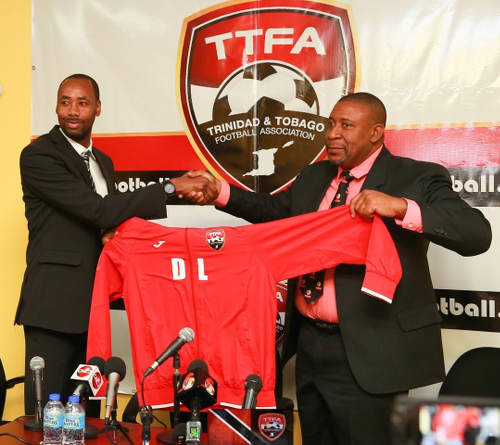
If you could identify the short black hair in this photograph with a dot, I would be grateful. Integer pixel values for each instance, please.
(83, 76)
(377, 106)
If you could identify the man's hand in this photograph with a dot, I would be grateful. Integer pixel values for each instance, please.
(107, 236)
(369, 203)
(198, 186)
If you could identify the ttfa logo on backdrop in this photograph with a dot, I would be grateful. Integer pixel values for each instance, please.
(257, 83)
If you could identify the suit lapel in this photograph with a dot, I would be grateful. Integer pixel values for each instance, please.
(106, 171)
(378, 174)
(72, 159)
(319, 184)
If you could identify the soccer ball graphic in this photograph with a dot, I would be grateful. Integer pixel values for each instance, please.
(265, 87)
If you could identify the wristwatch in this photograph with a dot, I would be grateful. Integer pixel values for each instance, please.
(169, 188)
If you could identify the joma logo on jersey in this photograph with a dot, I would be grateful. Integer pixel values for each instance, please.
(256, 96)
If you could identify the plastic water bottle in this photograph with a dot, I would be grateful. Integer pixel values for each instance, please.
(53, 414)
(74, 422)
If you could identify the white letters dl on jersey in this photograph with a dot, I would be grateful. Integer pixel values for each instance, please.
(179, 269)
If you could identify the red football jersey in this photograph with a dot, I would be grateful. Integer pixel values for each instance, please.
(221, 282)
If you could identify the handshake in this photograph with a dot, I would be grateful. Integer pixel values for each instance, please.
(198, 186)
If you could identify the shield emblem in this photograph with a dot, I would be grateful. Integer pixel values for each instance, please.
(215, 238)
(257, 82)
(272, 425)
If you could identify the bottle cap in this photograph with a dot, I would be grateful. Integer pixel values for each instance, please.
(73, 399)
(54, 396)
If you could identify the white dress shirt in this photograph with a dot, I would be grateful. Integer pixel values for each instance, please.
(95, 170)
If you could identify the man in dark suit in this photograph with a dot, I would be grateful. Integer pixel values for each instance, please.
(355, 352)
(68, 205)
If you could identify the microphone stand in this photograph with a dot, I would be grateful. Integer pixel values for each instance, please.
(176, 382)
(146, 414)
(36, 424)
(113, 425)
(90, 431)
(166, 436)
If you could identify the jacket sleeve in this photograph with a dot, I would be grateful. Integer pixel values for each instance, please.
(447, 219)
(46, 176)
(257, 207)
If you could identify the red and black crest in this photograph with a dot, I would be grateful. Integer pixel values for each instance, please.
(216, 238)
(272, 425)
(257, 83)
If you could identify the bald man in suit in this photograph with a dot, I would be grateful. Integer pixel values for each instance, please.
(354, 352)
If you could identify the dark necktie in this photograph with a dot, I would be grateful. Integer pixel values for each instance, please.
(86, 158)
(311, 284)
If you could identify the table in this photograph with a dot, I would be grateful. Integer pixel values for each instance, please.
(16, 428)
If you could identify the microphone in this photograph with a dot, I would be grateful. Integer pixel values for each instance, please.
(37, 364)
(185, 336)
(253, 384)
(89, 376)
(198, 390)
(115, 370)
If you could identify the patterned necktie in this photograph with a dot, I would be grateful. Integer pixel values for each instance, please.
(86, 158)
(311, 284)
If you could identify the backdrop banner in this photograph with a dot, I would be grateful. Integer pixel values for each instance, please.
(244, 89)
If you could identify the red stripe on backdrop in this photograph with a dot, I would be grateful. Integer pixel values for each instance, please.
(165, 151)
(451, 147)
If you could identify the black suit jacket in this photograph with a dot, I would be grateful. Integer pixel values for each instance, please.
(390, 347)
(65, 222)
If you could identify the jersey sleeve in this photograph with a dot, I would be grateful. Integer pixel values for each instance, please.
(383, 266)
(107, 287)
(324, 239)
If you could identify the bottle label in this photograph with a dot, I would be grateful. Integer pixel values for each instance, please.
(52, 420)
(74, 422)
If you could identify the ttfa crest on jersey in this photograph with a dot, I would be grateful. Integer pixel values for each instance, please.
(216, 238)
(272, 425)
(257, 83)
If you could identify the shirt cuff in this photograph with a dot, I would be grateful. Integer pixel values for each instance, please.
(413, 217)
(223, 197)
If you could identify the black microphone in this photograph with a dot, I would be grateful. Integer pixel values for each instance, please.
(37, 364)
(90, 379)
(253, 384)
(89, 376)
(115, 370)
(197, 391)
(185, 336)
